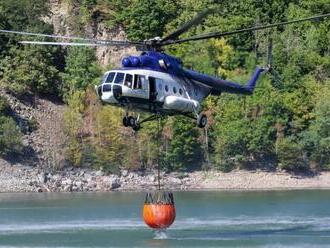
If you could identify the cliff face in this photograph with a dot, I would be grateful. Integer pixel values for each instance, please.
(61, 19)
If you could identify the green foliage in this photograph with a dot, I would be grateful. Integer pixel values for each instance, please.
(316, 139)
(145, 19)
(109, 149)
(184, 152)
(73, 120)
(10, 136)
(26, 68)
(4, 106)
(81, 70)
(29, 69)
(286, 120)
(291, 156)
(18, 14)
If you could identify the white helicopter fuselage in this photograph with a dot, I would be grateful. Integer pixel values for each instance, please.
(151, 91)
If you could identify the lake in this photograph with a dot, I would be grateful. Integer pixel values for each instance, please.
(204, 219)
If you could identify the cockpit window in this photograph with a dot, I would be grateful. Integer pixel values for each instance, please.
(128, 80)
(106, 87)
(119, 78)
(138, 81)
(110, 77)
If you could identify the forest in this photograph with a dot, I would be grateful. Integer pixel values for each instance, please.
(285, 124)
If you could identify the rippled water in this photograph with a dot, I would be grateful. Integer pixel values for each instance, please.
(204, 219)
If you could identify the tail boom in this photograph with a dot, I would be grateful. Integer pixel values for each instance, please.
(222, 85)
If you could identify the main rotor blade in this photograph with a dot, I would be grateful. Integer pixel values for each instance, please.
(61, 43)
(195, 21)
(109, 42)
(221, 34)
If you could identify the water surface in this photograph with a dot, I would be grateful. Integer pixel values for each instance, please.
(204, 219)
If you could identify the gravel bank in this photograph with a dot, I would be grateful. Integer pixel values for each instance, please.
(19, 178)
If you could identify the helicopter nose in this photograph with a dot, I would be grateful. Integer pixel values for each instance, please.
(98, 90)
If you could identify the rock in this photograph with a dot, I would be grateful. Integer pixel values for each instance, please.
(175, 181)
(124, 173)
(67, 188)
(82, 173)
(140, 173)
(89, 178)
(49, 176)
(55, 177)
(79, 184)
(112, 182)
(91, 186)
(99, 173)
(67, 182)
(42, 177)
(131, 175)
(151, 178)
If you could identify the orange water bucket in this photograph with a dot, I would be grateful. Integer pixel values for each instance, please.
(159, 210)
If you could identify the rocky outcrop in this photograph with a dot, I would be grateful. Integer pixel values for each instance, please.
(61, 18)
(41, 122)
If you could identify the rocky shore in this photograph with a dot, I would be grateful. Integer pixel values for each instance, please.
(19, 178)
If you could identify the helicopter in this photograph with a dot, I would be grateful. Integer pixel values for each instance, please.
(158, 83)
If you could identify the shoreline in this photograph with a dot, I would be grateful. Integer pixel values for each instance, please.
(19, 178)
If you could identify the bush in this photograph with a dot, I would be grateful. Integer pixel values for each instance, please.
(10, 136)
(226, 165)
(291, 156)
(4, 106)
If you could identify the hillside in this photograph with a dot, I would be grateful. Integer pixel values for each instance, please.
(283, 126)
(43, 141)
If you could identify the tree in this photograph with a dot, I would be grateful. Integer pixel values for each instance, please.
(29, 69)
(10, 136)
(184, 152)
(147, 18)
(81, 70)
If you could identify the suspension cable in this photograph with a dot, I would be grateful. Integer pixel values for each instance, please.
(158, 155)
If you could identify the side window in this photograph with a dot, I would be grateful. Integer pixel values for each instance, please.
(106, 87)
(174, 90)
(119, 78)
(128, 80)
(180, 91)
(138, 81)
(166, 88)
(159, 83)
(110, 77)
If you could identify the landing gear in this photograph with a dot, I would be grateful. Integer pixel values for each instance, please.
(130, 121)
(135, 123)
(125, 121)
(201, 120)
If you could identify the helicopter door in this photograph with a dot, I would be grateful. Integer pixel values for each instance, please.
(152, 89)
(140, 86)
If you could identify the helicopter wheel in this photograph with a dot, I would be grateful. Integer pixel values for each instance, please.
(201, 120)
(125, 121)
(131, 121)
(136, 126)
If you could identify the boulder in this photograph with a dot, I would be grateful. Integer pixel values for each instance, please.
(99, 173)
(67, 182)
(112, 182)
(124, 173)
